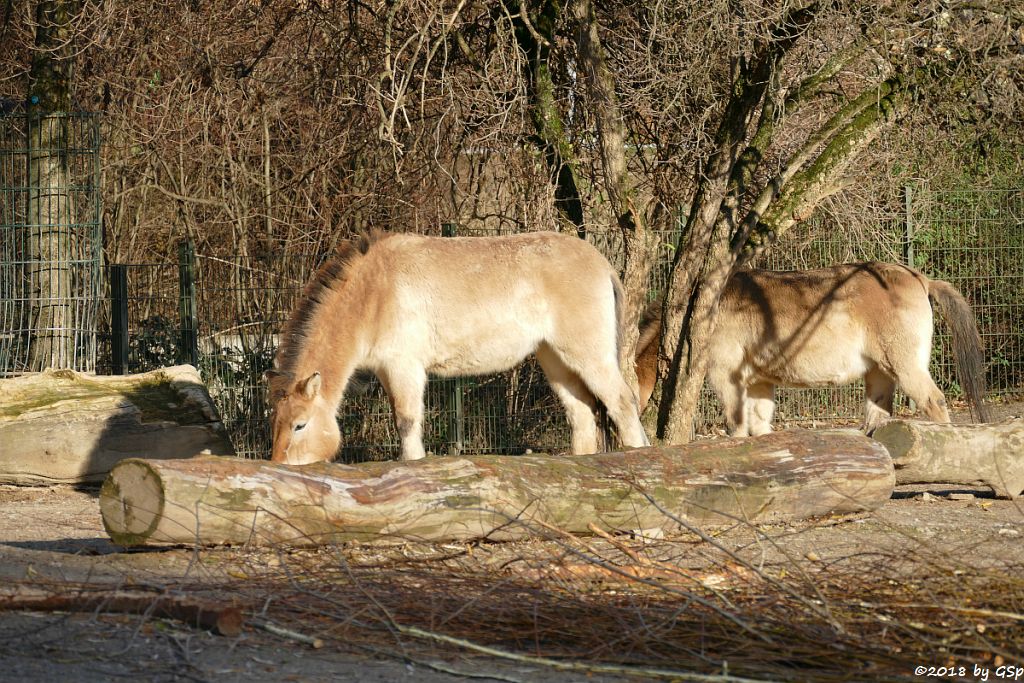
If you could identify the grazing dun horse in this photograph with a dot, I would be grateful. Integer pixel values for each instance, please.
(829, 326)
(402, 306)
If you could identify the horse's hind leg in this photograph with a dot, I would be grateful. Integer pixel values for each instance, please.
(579, 403)
(604, 380)
(732, 394)
(624, 409)
(919, 386)
(878, 394)
(405, 386)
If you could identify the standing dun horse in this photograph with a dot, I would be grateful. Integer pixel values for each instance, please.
(827, 327)
(402, 306)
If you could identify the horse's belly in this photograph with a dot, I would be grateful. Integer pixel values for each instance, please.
(823, 370)
(481, 356)
(475, 362)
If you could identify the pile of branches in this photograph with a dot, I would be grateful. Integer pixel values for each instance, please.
(686, 608)
(616, 607)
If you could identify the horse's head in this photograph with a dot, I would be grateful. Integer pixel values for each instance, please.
(303, 424)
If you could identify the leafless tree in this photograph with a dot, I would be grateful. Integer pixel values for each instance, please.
(266, 129)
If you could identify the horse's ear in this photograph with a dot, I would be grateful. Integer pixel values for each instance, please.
(311, 387)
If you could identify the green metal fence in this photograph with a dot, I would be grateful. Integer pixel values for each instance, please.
(230, 311)
(50, 241)
(974, 239)
(224, 314)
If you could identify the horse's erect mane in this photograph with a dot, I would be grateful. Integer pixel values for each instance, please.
(331, 275)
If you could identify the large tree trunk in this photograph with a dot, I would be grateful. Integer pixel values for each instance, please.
(702, 266)
(63, 427)
(207, 501)
(637, 247)
(49, 239)
(991, 454)
(685, 350)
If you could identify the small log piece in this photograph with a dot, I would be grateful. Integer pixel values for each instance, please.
(222, 619)
(65, 427)
(926, 453)
(777, 477)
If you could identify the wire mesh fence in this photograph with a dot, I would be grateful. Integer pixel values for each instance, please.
(50, 241)
(974, 239)
(240, 305)
(149, 297)
(225, 314)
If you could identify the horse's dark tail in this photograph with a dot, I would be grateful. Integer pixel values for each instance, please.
(970, 364)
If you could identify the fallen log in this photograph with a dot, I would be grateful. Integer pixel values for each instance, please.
(926, 453)
(65, 427)
(211, 500)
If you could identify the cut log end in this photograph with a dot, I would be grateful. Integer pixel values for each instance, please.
(132, 502)
(228, 622)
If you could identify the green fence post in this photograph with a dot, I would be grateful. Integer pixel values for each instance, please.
(908, 243)
(119, 319)
(908, 225)
(187, 317)
(458, 425)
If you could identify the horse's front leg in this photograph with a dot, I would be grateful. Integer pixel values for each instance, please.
(760, 404)
(405, 386)
(879, 390)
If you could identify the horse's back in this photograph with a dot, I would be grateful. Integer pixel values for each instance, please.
(466, 260)
(481, 304)
(823, 326)
(537, 271)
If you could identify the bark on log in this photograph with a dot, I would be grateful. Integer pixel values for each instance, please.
(210, 501)
(64, 427)
(990, 454)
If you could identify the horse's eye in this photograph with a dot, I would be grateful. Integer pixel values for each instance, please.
(299, 427)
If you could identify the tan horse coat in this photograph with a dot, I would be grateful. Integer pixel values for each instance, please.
(827, 327)
(404, 306)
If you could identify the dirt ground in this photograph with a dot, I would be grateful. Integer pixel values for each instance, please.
(54, 537)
